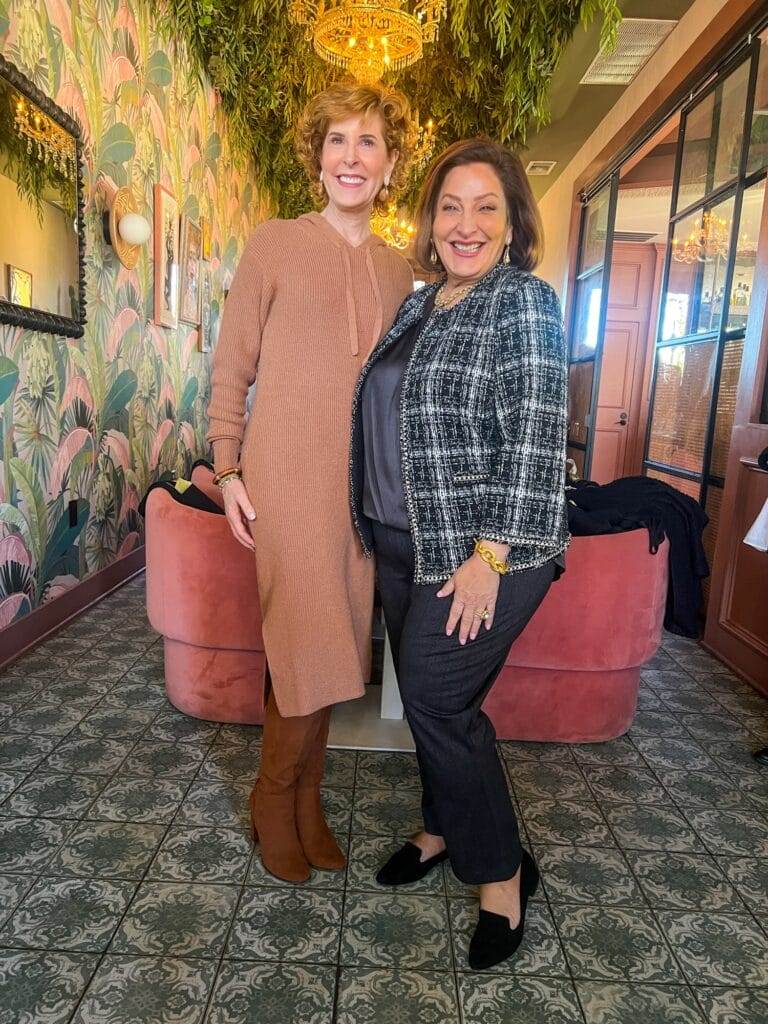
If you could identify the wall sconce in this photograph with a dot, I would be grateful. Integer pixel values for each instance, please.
(124, 227)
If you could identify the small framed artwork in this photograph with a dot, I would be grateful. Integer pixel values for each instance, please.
(205, 227)
(166, 243)
(206, 313)
(191, 247)
(19, 286)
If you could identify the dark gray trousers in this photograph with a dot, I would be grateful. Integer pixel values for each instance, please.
(442, 685)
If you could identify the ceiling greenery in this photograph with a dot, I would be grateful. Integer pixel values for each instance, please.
(488, 72)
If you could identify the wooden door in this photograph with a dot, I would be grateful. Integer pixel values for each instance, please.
(625, 343)
(737, 614)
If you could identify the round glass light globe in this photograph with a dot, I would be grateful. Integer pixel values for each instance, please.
(134, 229)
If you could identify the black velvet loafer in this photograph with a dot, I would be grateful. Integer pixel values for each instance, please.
(494, 939)
(406, 866)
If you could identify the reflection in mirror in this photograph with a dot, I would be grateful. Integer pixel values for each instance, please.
(39, 236)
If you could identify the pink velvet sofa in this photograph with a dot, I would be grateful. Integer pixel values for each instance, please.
(202, 596)
(572, 675)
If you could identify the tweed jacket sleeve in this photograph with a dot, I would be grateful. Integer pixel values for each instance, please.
(525, 495)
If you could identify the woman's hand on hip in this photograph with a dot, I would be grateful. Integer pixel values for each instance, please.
(475, 587)
(239, 511)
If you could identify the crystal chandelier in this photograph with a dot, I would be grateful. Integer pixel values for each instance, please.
(43, 136)
(709, 239)
(366, 38)
(424, 144)
(396, 231)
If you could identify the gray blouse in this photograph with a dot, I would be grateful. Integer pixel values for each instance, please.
(383, 495)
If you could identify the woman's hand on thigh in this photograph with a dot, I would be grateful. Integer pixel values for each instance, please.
(239, 512)
(475, 587)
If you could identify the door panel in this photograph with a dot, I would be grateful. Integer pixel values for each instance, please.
(737, 614)
(630, 299)
(745, 605)
(615, 402)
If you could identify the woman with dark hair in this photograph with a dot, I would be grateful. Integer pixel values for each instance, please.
(457, 480)
(310, 299)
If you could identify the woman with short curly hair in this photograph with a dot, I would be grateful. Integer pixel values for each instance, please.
(310, 299)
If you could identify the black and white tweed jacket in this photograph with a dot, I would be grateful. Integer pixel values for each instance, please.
(482, 425)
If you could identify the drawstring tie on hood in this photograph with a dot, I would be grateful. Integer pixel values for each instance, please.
(343, 248)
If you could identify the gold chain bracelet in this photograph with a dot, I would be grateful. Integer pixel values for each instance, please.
(490, 559)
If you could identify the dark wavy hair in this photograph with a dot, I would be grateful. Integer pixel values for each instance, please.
(525, 249)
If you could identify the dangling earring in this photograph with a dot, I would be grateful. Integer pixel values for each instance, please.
(432, 253)
(506, 253)
(320, 179)
(384, 191)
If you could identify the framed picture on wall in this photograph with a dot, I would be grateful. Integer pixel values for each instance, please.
(206, 312)
(205, 227)
(191, 251)
(166, 246)
(19, 286)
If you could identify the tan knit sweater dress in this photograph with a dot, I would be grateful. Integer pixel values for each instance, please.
(304, 311)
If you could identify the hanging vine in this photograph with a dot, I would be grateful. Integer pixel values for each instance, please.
(488, 72)
(35, 176)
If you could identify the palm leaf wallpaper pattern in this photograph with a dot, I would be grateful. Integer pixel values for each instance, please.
(96, 420)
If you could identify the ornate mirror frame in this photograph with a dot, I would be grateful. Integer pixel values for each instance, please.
(29, 317)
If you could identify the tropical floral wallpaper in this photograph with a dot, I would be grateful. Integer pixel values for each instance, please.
(96, 420)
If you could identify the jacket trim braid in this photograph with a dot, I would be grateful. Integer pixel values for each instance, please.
(483, 419)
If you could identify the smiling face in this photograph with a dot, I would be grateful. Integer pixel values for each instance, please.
(354, 161)
(470, 226)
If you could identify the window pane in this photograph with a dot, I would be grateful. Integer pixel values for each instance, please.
(587, 318)
(758, 138)
(713, 135)
(690, 487)
(595, 230)
(681, 404)
(746, 254)
(694, 298)
(579, 396)
(726, 405)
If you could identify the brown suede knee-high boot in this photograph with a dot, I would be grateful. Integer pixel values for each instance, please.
(317, 840)
(285, 748)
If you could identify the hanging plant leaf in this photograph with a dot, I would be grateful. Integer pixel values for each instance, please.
(489, 71)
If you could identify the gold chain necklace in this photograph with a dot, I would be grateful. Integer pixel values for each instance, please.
(447, 302)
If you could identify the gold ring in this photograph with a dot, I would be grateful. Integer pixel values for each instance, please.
(484, 614)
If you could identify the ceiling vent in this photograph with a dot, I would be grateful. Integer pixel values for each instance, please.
(636, 41)
(540, 167)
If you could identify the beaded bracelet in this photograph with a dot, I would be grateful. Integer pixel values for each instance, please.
(232, 471)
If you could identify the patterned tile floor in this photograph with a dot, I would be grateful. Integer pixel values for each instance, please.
(129, 893)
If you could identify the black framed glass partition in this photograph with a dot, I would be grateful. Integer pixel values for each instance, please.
(588, 322)
(717, 202)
